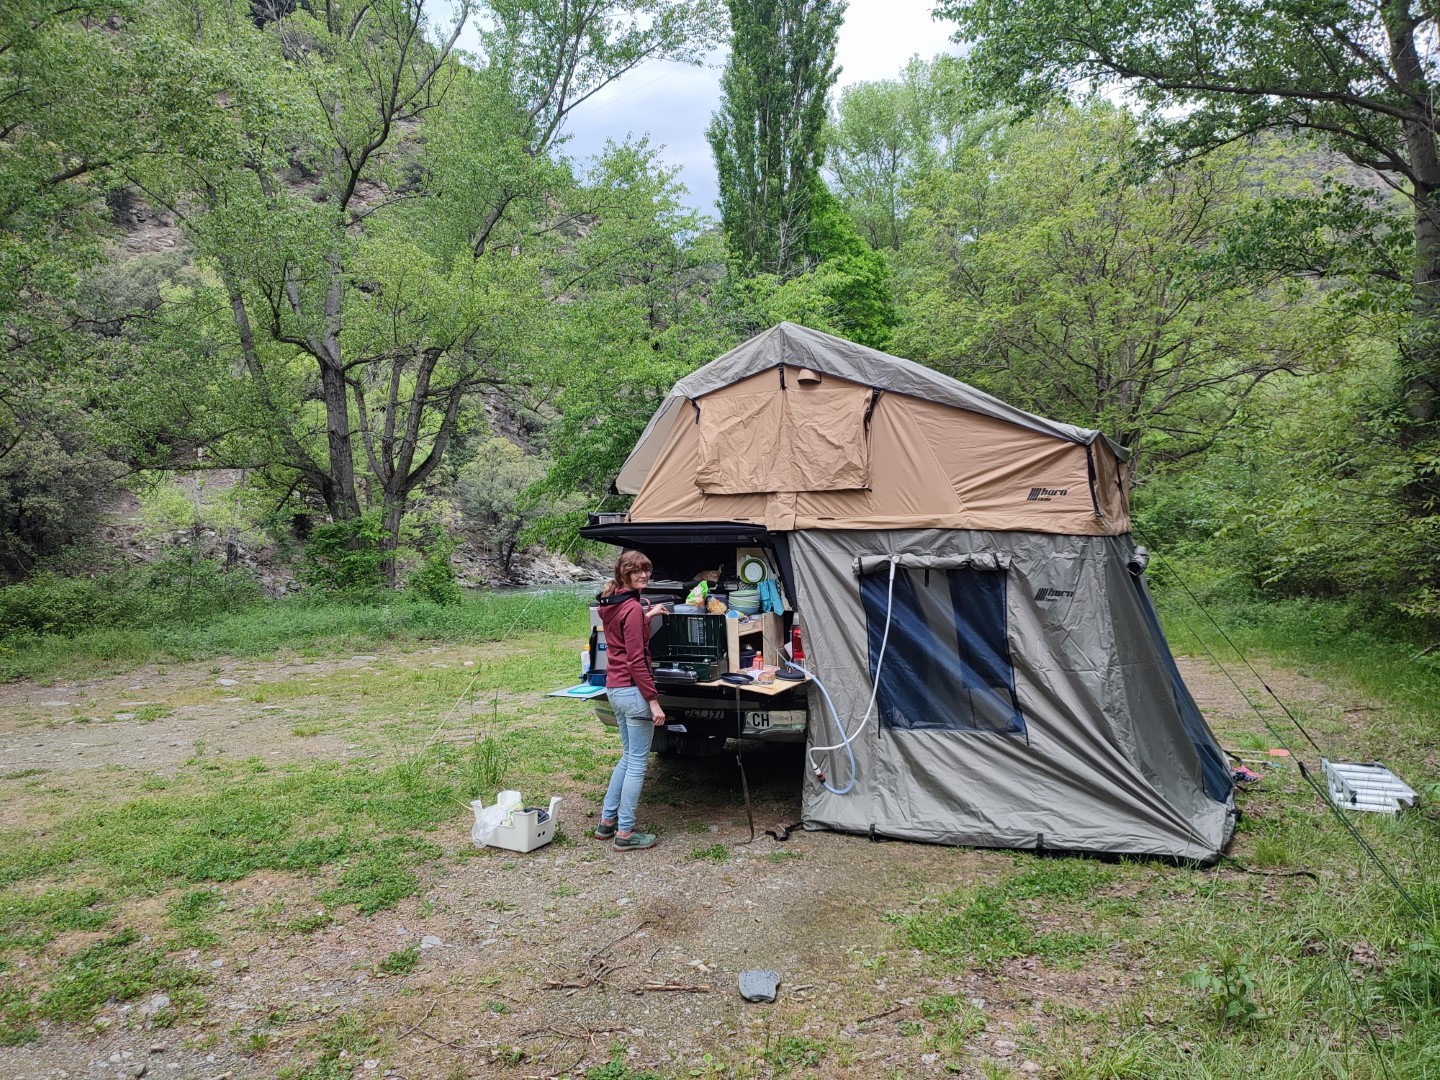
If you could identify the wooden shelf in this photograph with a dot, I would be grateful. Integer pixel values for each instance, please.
(768, 624)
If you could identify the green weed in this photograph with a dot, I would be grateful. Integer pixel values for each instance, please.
(617, 1068)
(400, 962)
(718, 853)
(28, 921)
(1230, 985)
(794, 1052)
(114, 969)
(374, 884)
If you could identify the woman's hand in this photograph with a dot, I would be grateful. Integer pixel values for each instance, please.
(657, 714)
(658, 609)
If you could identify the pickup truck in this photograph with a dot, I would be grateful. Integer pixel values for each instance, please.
(701, 712)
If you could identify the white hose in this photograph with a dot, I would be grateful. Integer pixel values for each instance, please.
(847, 739)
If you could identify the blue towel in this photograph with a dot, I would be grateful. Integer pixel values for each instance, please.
(770, 597)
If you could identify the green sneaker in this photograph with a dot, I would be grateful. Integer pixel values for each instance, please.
(604, 831)
(636, 841)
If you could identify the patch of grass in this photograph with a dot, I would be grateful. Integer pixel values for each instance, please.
(717, 853)
(114, 969)
(615, 1069)
(302, 623)
(986, 927)
(783, 856)
(400, 962)
(29, 921)
(345, 1039)
(309, 924)
(374, 884)
(794, 1052)
(1060, 878)
(194, 906)
(22, 774)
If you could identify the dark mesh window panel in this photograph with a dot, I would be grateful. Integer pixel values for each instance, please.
(947, 663)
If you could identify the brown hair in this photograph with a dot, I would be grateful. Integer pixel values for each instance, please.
(630, 562)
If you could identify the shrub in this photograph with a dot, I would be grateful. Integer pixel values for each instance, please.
(184, 587)
(51, 496)
(346, 556)
(434, 578)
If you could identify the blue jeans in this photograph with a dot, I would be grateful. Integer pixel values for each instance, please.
(632, 713)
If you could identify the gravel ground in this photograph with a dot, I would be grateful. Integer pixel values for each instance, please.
(546, 964)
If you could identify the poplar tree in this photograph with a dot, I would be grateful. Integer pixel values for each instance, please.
(767, 136)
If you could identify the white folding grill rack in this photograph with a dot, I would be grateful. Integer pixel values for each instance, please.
(1370, 787)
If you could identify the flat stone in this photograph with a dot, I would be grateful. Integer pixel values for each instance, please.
(759, 985)
(430, 941)
(226, 682)
(124, 716)
(154, 1004)
(364, 656)
(54, 704)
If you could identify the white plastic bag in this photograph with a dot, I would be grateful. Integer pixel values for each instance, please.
(488, 819)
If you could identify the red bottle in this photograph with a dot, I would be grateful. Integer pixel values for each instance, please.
(797, 650)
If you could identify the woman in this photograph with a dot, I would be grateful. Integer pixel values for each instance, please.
(630, 686)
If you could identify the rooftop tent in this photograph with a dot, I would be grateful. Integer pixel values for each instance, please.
(1024, 695)
(876, 442)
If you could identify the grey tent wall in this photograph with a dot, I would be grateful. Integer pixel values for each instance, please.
(1107, 764)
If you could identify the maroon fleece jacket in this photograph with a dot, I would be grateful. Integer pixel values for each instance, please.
(627, 644)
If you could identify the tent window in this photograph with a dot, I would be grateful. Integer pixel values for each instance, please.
(947, 663)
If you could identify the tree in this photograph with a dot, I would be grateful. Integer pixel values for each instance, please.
(497, 492)
(1358, 76)
(767, 136)
(1047, 272)
(886, 136)
(375, 281)
(872, 142)
(61, 132)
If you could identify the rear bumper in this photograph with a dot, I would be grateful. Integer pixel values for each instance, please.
(711, 713)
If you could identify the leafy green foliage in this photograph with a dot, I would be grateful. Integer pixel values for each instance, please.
(346, 555)
(434, 579)
(400, 962)
(714, 853)
(1044, 271)
(767, 136)
(183, 589)
(497, 493)
(1230, 986)
(618, 1069)
(52, 492)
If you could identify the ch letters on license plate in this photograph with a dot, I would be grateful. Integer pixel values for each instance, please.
(757, 719)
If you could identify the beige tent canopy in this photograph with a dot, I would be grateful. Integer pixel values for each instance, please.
(796, 429)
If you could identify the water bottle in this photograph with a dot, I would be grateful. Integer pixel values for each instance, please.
(585, 661)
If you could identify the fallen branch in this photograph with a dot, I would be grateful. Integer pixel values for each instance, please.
(421, 1022)
(674, 988)
(634, 930)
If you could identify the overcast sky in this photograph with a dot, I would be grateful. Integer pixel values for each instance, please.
(673, 103)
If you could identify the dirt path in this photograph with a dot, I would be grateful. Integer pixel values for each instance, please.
(545, 964)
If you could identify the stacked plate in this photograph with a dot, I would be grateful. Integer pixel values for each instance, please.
(745, 601)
